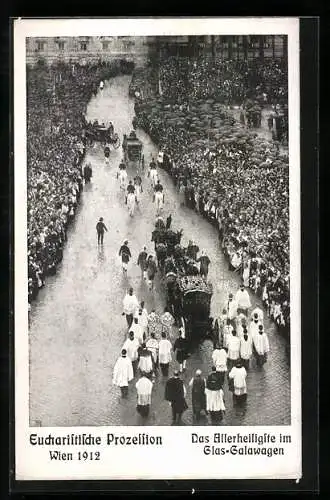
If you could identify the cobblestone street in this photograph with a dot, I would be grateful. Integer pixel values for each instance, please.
(77, 329)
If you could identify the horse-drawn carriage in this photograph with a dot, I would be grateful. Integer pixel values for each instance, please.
(188, 295)
(94, 132)
(132, 148)
(189, 299)
(195, 295)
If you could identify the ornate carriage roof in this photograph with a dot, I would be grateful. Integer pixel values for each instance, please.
(134, 142)
(190, 284)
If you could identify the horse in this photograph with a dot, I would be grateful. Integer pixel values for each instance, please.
(138, 192)
(158, 236)
(161, 252)
(131, 203)
(153, 177)
(171, 289)
(159, 201)
(122, 175)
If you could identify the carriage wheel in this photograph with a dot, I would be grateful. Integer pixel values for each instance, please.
(116, 142)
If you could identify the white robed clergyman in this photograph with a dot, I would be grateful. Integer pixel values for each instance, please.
(144, 390)
(241, 322)
(245, 349)
(231, 307)
(214, 393)
(257, 313)
(242, 299)
(131, 345)
(219, 358)
(142, 316)
(233, 347)
(153, 346)
(137, 329)
(261, 344)
(238, 375)
(123, 372)
(254, 327)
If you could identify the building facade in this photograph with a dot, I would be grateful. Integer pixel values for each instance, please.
(85, 49)
(139, 49)
(237, 47)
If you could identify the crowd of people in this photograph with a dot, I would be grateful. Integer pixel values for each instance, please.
(250, 84)
(234, 180)
(152, 340)
(228, 81)
(57, 97)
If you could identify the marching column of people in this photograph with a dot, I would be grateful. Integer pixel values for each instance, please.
(152, 344)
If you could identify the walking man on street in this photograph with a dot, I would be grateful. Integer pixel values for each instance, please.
(261, 345)
(238, 375)
(181, 348)
(234, 345)
(130, 305)
(131, 345)
(175, 393)
(231, 307)
(144, 390)
(204, 264)
(151, 271)
(198, 397)
(137, 329)
(168, 221)
(214, 396)
(123, 373)
(152, 345)
(145, 361)
(125, 255)
(165, 355)
(219, 358)
(242, 300)
(142, 262)
(142, 317)
(100, 228)
(245, 349)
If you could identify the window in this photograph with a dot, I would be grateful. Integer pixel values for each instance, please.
(224, 42)
(254, 42)
(60, 45)
(268, 42)
(40, 46)
(105, 45)
(235, 42)
(83, 46)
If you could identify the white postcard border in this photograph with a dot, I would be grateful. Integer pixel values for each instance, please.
(178, 457)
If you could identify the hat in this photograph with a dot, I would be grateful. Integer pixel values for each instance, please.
(101, 219)
(123, 353)
(176, 373)
(198, 372)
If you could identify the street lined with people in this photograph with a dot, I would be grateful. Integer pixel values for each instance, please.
(149, 342)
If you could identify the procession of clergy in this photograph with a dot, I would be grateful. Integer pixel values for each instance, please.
(147, 353)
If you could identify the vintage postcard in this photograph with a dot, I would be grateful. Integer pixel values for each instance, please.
(157, 249)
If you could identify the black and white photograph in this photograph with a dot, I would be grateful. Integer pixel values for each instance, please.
(158, 230)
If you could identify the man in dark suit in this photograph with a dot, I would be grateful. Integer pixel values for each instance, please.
(175, 394)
